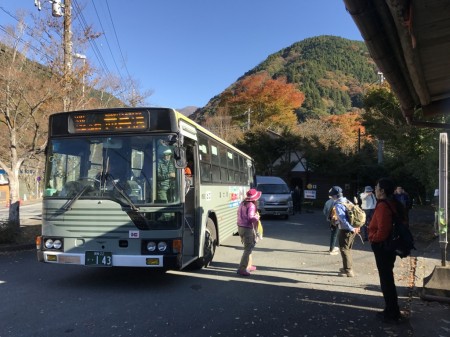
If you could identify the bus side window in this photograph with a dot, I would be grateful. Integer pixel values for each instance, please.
(205, 171)
(205, 159)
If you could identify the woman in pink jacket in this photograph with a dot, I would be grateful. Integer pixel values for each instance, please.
(247, 221)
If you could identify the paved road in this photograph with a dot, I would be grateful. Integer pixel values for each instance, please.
(296, 291)
(30, 213)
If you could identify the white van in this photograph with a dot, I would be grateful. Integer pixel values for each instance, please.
(276, 198)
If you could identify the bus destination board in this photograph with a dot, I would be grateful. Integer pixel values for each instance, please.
(109, 121)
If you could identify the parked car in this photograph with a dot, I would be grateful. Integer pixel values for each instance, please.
(276, 198)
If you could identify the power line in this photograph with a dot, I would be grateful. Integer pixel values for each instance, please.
(117, 40)
(93, 43)
(26, 43)
(106, 38)
(28, 30)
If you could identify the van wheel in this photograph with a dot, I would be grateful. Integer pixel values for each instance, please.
(209, 248)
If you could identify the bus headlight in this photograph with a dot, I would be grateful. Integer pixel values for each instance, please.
(57, 244)
(151, 246)
(49, 244)
(162, 246)
(53, 243)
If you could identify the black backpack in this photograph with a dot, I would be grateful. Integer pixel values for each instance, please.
(400, 240)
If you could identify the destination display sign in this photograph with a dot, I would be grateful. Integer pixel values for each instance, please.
(109, 121)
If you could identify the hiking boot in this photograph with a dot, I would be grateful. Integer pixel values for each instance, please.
(346, 273)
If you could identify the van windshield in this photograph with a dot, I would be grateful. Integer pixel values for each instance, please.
(273, 189)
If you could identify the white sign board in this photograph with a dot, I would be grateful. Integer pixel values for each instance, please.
(309, 194)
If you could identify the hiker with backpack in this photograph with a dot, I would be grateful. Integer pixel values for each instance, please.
(347, 232)
(368, 203)
(380, 229)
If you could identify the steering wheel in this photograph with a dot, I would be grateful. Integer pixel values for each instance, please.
(71, 188)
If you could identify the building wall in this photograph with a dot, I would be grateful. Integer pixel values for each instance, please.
(4, 195)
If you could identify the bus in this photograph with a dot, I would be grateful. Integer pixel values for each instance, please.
(138, 187)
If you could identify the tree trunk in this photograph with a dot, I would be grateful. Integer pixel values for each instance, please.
(14, 217)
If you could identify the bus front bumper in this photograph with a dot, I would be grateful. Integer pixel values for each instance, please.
(148, 261)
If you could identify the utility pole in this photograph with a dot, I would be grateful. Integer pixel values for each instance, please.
(249, 111)
(443, 195)
(67, 53)
(380, 151)
(380, 141)
(359, 140)
(57, 11)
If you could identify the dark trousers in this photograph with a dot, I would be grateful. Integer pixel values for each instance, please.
(333, 236)
(346, 240)
(385, 264)
(297, 205)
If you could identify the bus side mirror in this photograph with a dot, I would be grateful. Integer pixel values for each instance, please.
(179, 154)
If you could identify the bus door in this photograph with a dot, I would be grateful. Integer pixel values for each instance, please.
(190, 230)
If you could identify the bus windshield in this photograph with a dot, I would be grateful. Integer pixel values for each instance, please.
(132, 170)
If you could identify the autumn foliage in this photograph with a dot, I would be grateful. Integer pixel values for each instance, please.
(340, 131)
(349, 125)
(270, 102)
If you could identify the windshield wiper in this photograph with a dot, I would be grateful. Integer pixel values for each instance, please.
(69, 203)
(125, 196)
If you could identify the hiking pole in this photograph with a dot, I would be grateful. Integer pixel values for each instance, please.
(360, 238)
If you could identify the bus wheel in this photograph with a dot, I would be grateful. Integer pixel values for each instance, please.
(210, 246)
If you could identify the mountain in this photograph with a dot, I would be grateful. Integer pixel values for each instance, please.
(331, 71)
(187, 111)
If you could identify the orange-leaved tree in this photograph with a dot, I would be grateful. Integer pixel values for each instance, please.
(350, 129)
(260, 100)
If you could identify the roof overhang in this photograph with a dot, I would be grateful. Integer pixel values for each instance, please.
(410, 43)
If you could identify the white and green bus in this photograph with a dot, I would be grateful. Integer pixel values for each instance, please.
(117, 192)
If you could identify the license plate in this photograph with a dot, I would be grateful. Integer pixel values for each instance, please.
(102, 259)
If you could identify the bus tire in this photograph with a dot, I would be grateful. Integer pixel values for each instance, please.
(209, 248)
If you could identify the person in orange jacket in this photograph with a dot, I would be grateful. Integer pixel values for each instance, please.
(380, 228)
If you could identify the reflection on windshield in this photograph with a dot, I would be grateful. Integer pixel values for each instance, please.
(273, 189)
(132, 170)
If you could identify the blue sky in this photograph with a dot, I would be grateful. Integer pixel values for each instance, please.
(188, 51)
